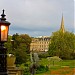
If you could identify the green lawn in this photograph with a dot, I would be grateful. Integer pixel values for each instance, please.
(70, 63)
(57, 64)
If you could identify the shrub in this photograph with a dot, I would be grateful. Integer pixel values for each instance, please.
(42, 69)
(43, 55)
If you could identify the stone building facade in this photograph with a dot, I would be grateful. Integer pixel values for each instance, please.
(40, 44)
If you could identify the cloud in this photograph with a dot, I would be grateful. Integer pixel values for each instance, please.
(38, 16)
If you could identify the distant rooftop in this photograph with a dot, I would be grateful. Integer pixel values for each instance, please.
(41, 37)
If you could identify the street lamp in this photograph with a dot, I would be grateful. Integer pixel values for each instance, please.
(4, 27)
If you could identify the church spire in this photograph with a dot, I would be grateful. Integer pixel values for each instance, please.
(62, 25)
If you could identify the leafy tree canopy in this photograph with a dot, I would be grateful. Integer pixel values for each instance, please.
(62, 44)
(19, 45)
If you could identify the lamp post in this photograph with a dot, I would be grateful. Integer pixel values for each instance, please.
(4, 27)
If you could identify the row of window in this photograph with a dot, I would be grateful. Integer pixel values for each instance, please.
(41, 49)
(41, 39)
(41, 42)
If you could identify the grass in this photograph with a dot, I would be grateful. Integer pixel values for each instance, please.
(70, 63)
(62, 67)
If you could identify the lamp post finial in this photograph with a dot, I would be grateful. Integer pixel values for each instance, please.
(3, 15)
(3, 11)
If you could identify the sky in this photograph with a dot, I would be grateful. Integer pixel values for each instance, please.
(38, 17)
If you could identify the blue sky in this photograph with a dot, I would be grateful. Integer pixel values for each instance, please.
(38, 17)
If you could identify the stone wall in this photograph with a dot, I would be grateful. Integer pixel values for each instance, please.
(11, 66)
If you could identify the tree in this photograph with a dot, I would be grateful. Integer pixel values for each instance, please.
(21, 54)
(62, 44)
(20, 47)
(8, 44)
(26, 39)
(22, 39)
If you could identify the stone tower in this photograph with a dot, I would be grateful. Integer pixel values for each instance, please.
(62, 25)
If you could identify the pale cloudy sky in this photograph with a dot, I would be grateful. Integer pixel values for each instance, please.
(38, 17)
